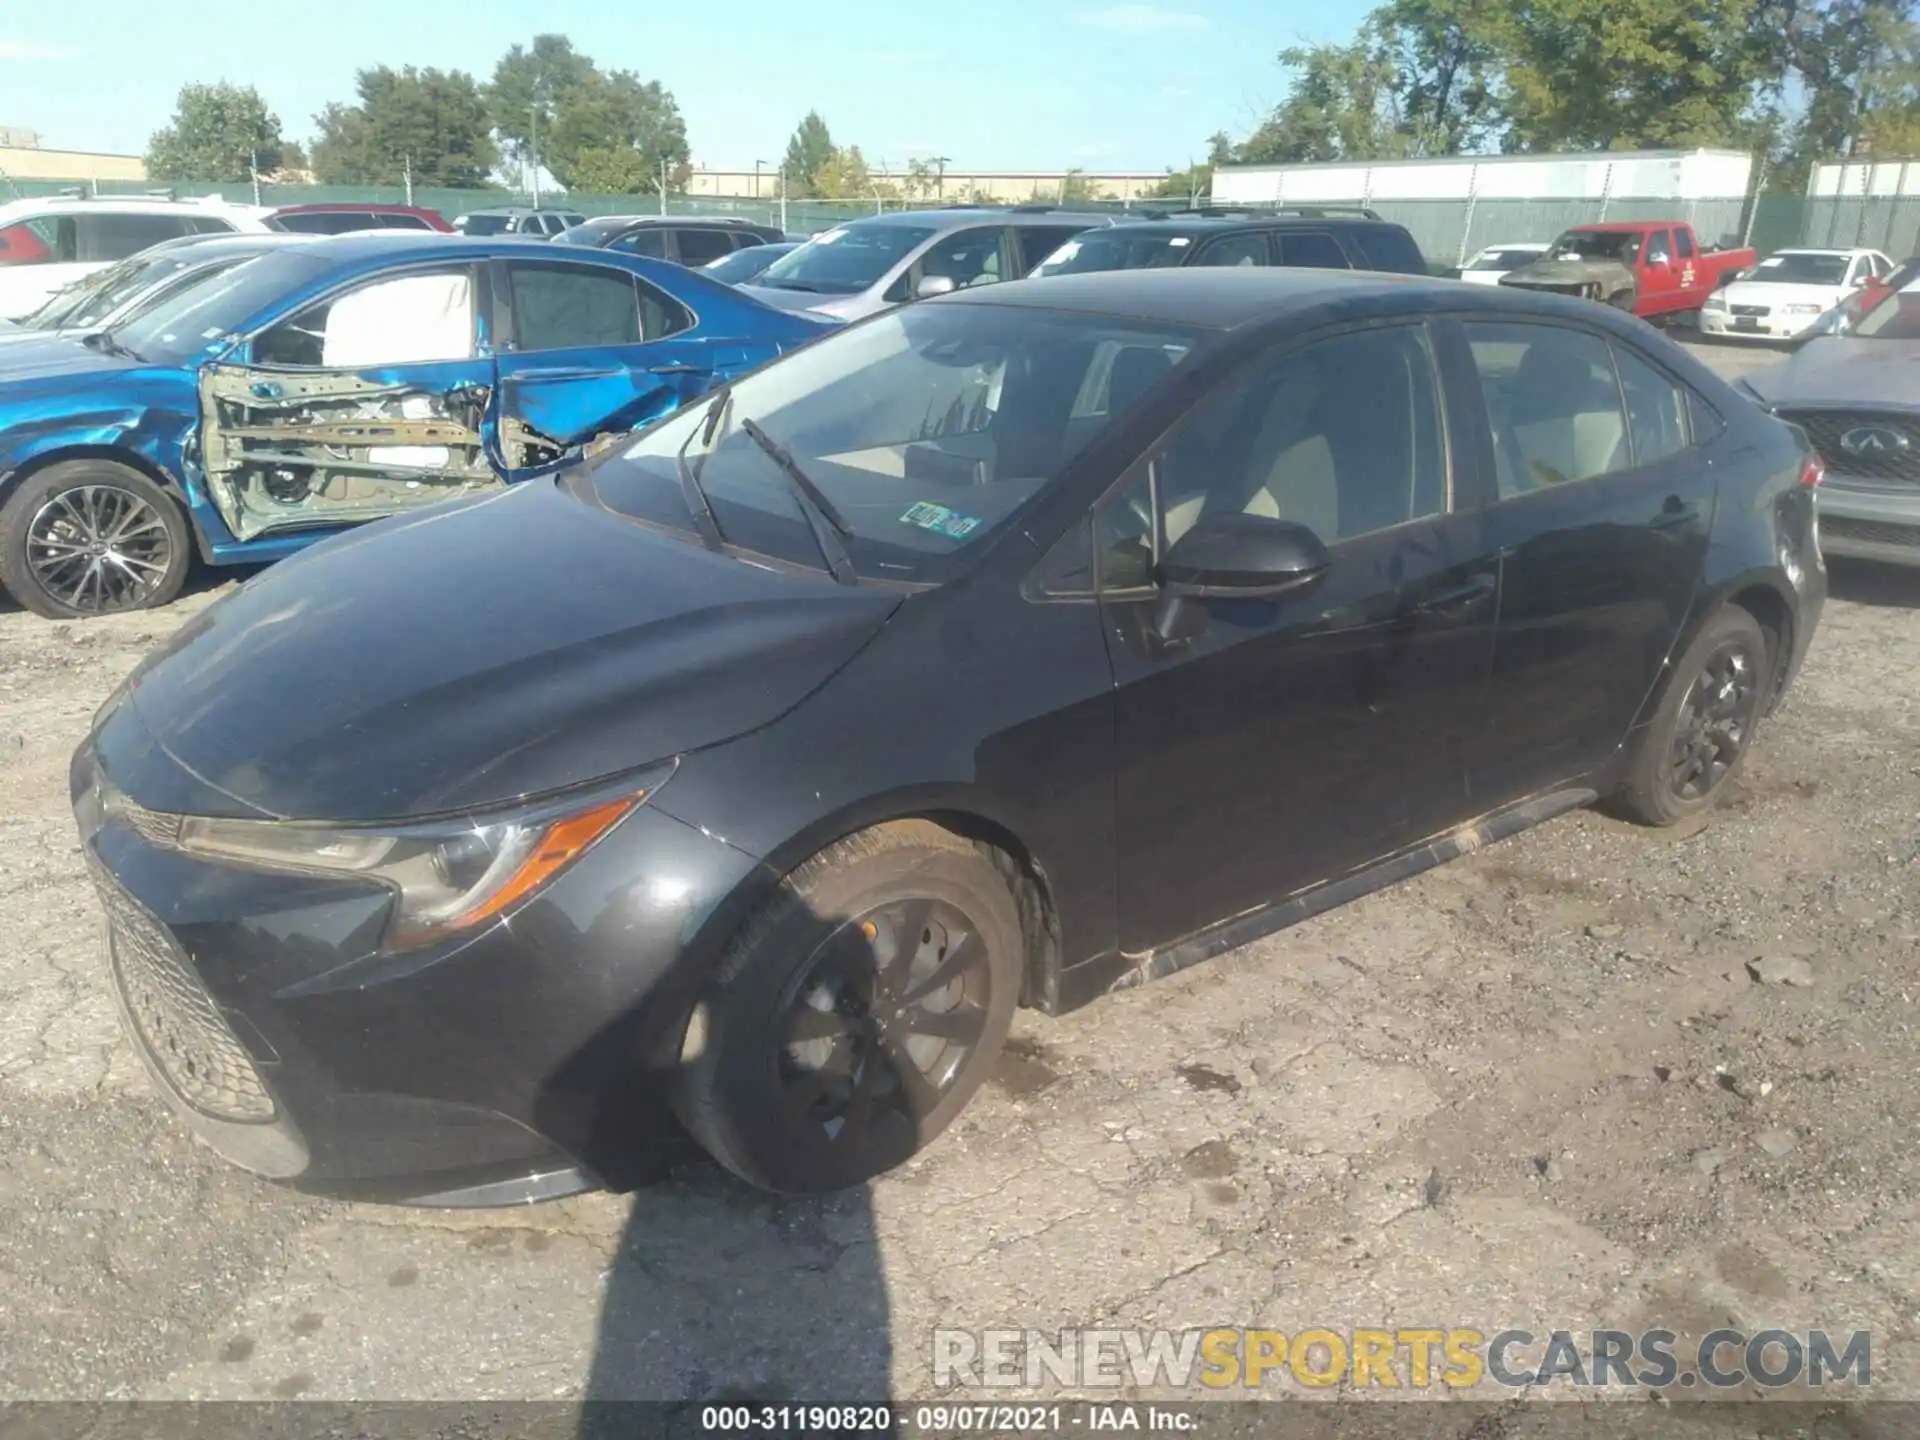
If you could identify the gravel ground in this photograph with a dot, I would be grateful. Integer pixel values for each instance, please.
(1539, 1087)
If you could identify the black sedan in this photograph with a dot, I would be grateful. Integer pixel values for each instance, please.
(1002, 650)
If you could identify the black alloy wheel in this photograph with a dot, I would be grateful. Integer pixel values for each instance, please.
(1716, 717)
(854, 1016)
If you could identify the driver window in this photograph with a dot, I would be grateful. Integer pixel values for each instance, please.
(412, 319)
(1342, 436)
(969, 257)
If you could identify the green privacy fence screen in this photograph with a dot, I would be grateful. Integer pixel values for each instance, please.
(1448, 230)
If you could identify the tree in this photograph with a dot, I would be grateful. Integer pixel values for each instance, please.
(808, 153)
(1343, 105)
(433, 123)
(922, 180)
(292, 159)
(1446, 56)
(217, 133)
(1195, 183)
(524, 94)
(844, 176)
(615, 126)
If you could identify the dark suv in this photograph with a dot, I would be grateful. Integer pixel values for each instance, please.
(692, 240)
(1321, 239)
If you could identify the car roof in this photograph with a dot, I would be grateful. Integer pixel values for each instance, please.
(1215, 224)
(349, 207)
(959, 216)
(1848, 251)
(126, 205)
(1236, 296)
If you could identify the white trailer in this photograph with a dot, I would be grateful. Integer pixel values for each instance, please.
(1456, 204)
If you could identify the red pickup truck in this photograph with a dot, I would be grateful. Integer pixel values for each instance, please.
(1656, 268)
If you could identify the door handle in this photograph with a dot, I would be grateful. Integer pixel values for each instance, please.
(1462, 598)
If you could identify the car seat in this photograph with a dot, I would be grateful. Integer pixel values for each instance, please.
(1564, 420)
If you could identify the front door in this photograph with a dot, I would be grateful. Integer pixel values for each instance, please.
(1271, 744)
(361, 405)
(587, 350)
(1606, 499)
(1659, 283)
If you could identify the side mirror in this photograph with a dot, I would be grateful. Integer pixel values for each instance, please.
(932, 285)
(1247, 557)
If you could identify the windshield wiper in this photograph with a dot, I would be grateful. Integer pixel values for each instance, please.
(790, 285)
(703, 517)
(826, 522)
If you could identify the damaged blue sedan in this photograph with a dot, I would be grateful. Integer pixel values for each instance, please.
(316, 387)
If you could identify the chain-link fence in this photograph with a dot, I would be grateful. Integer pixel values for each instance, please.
(1448, 230)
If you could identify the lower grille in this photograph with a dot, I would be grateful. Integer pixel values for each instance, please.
(1885, 447)
(1871, 532)
(174, 1018)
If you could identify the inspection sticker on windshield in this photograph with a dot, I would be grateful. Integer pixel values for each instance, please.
(940, 520)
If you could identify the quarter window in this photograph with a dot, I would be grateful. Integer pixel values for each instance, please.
(1342, 436)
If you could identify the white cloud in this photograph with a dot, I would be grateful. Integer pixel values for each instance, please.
(1143, 20)
(26, 50)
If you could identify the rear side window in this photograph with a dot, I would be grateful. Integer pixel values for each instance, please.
(697, 247)
(1684, 239)
(33, 242)
(652, 243)
(403, 222)
(1037, 242)
(1234, 250)
(102, 239)
(1391, 248)
(1553, 405)
(1313, 249)
(562, 307)
(1656, 409)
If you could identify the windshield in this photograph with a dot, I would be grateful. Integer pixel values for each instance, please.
(1895, 317)
(1503, 259)
(1106, 250)
(844, 260)
(927, 428)
(83, 294)
(1621, 245)
(745, 264)
(487, 224)
(204, 314)
(1803, 268)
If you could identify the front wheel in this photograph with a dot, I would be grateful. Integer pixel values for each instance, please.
(1704, 726)
(89, 537)
(854, 1017)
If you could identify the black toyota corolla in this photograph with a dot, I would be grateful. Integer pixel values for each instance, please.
(1001, 650)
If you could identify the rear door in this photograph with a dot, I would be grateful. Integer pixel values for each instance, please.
(1314, 249)
(1602, 507)
(587, 350)
(363, 404)
(1034, 243)
(695, 245)
(1249, 247)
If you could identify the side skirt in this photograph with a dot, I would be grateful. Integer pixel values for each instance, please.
(1107, 973)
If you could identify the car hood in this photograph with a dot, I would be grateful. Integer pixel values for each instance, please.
(1842, 372)
(41, 356)
(1564, 272)
(481, 651)
(814, 304)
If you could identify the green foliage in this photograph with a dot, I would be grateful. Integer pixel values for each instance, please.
(844, 176)
(524, 94)
(433, 123)
(615, 123)
(808, 153)
(216, 134)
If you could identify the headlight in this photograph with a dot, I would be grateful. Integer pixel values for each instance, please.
(447, 875)
(1715, 301)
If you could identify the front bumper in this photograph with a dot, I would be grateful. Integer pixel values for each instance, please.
(529, 1060)
(1723, 325)
(1863, 519)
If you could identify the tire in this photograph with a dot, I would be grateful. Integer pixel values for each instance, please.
(807, 1014)
(1622, 301)
(89, 537)
(1697, 738)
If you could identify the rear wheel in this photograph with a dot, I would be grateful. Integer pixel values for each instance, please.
(89, 537)
(855, 1016)
(1704, 726)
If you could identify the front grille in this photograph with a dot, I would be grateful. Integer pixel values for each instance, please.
(174, 1018)
(1827, 429)
(1872, 532)
(1750, 310)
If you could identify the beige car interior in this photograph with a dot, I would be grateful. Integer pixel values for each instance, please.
(1564, 419)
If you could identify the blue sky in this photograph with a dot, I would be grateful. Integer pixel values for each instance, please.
(993, 84)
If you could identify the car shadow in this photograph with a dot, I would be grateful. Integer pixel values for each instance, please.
(1866, 582)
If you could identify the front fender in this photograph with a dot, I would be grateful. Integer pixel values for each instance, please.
(151, 425)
